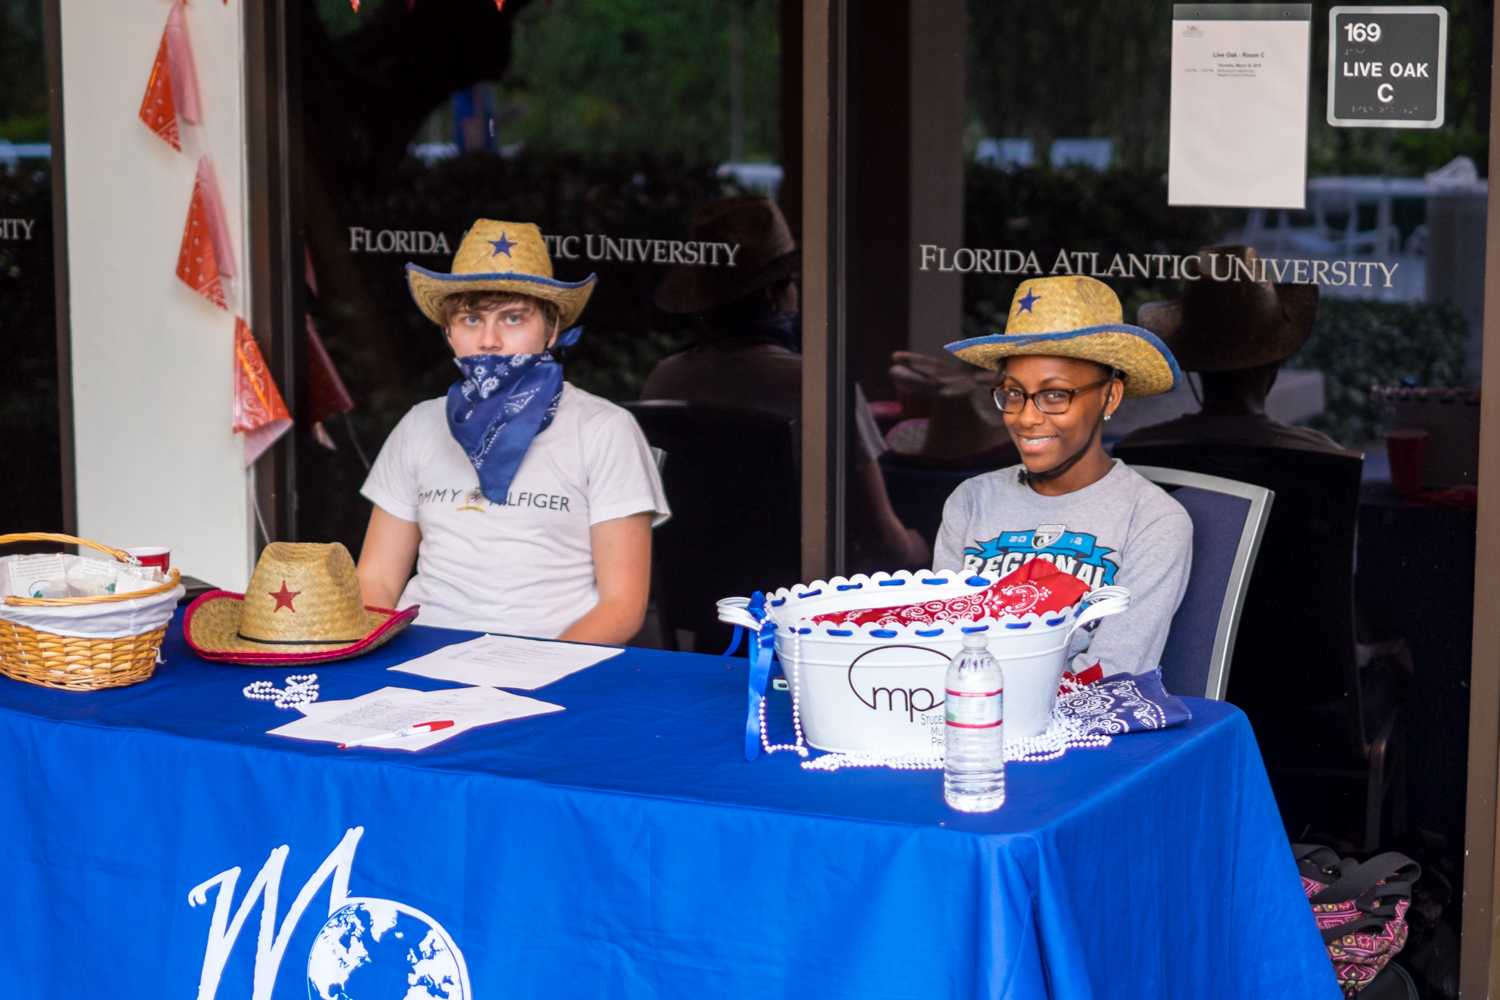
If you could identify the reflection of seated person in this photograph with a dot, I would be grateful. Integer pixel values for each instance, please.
(746, 354)
(958, 423)
(1066, 360)
(526, 503)
(1235, 334)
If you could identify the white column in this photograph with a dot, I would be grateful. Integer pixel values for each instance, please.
(155, 461)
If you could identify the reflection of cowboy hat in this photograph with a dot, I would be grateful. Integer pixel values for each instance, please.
(499, 257)
(962, 423)
(1223, 321)
(302, 606)
(1073, 316)
(767, 254)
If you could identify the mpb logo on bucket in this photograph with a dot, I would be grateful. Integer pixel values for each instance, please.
(893, 679)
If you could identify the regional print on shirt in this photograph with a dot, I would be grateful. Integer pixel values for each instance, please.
(473, 499)
(1075, 552)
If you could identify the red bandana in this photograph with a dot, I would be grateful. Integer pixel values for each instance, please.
(1038, 588)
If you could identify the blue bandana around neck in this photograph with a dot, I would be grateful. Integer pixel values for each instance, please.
(500, 405)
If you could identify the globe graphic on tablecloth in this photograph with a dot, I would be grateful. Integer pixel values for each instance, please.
(378, 949)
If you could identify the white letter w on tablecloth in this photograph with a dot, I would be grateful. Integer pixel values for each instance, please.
(272, 941)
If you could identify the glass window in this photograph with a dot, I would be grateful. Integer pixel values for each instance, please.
(654, 145)
(991, 143)
(29, 381)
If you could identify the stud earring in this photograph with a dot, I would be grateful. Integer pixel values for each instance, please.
(1107, 416)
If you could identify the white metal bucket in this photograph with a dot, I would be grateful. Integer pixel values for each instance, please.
(879, 690)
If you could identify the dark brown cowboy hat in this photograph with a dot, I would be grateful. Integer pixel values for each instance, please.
(1229, 319)
(767, 254)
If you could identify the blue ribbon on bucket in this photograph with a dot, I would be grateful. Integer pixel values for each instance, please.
(761, 651)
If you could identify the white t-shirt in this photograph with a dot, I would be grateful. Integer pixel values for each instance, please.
(525, 566)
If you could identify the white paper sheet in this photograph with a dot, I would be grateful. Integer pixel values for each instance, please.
(391, 709)
(1239, 106)
(505, 661)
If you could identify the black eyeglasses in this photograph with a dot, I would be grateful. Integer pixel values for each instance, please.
(1010, 399)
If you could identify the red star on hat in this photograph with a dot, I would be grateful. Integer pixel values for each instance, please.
(283, 598)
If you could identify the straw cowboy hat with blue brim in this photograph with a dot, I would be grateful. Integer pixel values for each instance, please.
(1074, 316)
(500, 257)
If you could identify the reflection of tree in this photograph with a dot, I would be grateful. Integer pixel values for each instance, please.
(1045, 69)
(365, 92)
(646, 76)
(23, 72)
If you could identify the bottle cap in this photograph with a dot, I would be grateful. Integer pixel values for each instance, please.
(976, 640)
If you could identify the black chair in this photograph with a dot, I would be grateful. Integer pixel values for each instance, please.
(731, 477)
(1296, 666)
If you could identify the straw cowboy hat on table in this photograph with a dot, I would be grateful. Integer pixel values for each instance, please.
(1074, 316)
(1227, 324)
(500, 257)
(302, 606)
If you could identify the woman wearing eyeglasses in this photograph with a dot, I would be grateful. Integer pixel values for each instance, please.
(1066, 360)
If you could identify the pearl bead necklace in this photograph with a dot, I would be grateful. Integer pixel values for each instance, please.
(800, 746)
(1061, 736)
(301, 689)
(837, 761)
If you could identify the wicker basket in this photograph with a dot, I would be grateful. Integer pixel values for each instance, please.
(74, 663)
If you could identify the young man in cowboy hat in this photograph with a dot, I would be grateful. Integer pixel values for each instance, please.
(1235, 334)
(1066, 360)
(525, 503)
(748, 354)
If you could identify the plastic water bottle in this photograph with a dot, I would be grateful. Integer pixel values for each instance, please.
(974, 737)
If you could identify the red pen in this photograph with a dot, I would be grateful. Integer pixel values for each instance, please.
(418, 729)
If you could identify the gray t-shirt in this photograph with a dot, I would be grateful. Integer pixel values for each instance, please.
(1122, 529)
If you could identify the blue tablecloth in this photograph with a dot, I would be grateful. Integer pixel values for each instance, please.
(158, 844)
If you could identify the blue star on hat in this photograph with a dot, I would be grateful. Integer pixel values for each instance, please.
(1028, 300)
(502, 245)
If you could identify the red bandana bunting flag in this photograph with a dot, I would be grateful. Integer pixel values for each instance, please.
(259, 411)
(158, 109)
(327, 396)
(1037, 588)
(206, 258)
(172, 87)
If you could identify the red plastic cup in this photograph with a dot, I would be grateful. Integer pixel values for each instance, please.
(153, 556)
(1407, 451)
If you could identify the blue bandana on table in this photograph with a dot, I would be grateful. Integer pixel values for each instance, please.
(1123, 703)
(499, 407)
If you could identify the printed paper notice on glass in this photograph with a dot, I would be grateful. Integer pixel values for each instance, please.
(1239, 105)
